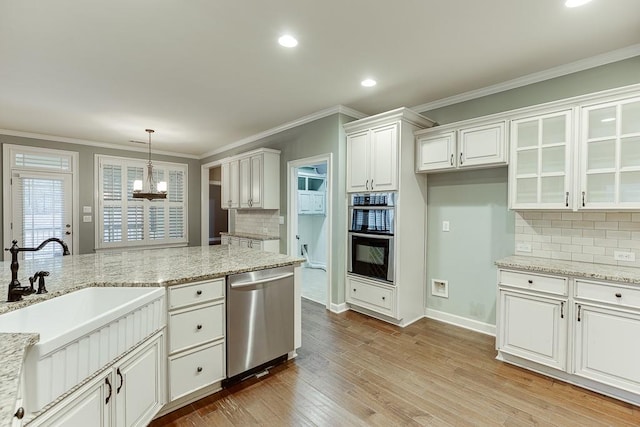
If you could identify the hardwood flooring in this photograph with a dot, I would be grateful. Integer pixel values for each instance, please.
(353, 370)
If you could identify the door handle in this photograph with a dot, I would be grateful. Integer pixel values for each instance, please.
(566, 199)
(452, 159)
(461, 158)
(121, 381)
(366, 185)
(106, 380)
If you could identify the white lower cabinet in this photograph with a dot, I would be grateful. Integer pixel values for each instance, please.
(271, 245)
(196, 337)
(534, 327)
(129, 393)
(373, 296)
(607, 323)
(586, 337)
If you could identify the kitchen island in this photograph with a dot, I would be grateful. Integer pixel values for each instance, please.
(153, 267)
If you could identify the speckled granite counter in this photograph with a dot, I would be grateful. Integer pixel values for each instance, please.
(629, 275)
(154, 267)
(251, 236)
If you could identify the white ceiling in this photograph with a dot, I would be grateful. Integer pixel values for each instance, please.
(207, 73)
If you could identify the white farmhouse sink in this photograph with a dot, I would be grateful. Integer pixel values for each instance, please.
(81, 333)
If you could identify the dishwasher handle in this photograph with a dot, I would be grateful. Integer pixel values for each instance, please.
(260, 281)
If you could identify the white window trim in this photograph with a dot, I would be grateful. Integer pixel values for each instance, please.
(98, 203)
(8, 151)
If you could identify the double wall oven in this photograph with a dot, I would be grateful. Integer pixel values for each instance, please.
(371, 240)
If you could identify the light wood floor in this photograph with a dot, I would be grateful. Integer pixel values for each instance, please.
(354, 370)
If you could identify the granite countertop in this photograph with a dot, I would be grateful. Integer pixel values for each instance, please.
(614, 273)
(251, 236)
(151, 267)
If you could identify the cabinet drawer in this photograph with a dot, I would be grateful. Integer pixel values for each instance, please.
(608, 293)
(534, 282)
(193, 293)
(373, 297)
(192, 370)
(195, 326)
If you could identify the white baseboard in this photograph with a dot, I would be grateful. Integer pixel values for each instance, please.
(463, 322)
(339, 308)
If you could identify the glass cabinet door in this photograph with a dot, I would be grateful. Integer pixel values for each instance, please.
(610, 155)
(540, 161)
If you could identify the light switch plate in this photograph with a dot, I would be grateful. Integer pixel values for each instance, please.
(86, 218)
(445, 225)
(281, 220)
(86, 209)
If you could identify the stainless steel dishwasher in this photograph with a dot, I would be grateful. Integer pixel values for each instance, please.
(259, 320)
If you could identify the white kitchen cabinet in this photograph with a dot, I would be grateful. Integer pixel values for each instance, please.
(252, 180)
(610, 155)
(269, 245)
(230, 190)
(311, 202)
(540, 172)
(546, 342)
(461, 145)
(436, 151)
(196, 330)
(128, 393)
(371, 295)
(372, 159)
(527, 299)
(607, 317)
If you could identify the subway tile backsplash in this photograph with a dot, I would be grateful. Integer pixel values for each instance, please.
(577, 236)
(263, 221)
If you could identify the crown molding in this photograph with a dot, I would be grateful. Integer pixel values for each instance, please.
(92, 143)
(562, 70)
(338, 109)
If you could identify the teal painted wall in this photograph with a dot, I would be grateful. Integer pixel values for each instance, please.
(87, 189)
(481, 231)
(475, 202)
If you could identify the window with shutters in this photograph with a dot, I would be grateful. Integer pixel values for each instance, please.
(123, 221)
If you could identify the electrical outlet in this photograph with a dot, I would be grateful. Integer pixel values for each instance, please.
(445, 225)
(281, 220)
(523, 247)
(624, 256)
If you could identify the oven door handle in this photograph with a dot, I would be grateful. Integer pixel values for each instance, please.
(372, 236)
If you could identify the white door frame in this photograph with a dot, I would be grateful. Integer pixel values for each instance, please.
(204, 200)
(7, 207)
(292, 208)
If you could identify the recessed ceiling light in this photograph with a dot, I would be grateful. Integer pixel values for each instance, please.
(288, 41)
(368, 83)
(575, 3)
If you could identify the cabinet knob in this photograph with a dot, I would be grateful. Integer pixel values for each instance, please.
(354, 289)
(618, 295)
(199, 369)
(198, 327)
(19, 413)
(199, 292)
(384, 298)
(530, 281)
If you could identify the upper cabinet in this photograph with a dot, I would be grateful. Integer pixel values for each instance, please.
(251, 180)
(540, 168)
(373, 159)
(461, 146)
(610, 155)
(373, 144)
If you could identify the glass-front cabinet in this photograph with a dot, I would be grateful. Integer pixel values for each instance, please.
(540, 164)
(610, 155)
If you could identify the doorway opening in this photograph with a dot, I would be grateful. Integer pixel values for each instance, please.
(310, 222)
(214, 220)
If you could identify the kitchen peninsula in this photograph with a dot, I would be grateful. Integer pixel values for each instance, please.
(133, 268)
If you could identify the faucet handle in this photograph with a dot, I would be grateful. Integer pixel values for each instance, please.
(41, 288)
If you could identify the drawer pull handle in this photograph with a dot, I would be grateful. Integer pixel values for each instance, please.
(199, 369)
(451, 159)
(198, 327)
(562, 309)
(198, 293)
(106, 401)
(530, 281)
(566, 199)
(583, 194)
(618, 295)
(579, 309)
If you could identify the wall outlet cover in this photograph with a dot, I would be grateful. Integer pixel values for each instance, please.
(523, 247)
(281, 220)
(86, 218)
(86, 209)
(440, 288)
(624, 256)
(445, 226)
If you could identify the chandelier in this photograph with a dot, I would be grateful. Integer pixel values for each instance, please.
(150, 190)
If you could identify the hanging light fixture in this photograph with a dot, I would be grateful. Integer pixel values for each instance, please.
(150, 190)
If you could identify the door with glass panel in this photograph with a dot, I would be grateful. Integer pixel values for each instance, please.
(41, 208)
(610, 155)
(540, 169)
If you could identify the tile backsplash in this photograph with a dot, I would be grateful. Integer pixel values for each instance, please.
(579, 236)
(263, 221)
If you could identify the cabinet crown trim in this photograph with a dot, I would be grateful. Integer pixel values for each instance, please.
(402, 113)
